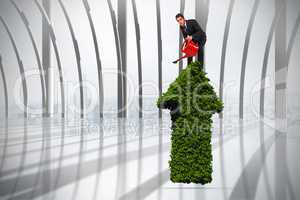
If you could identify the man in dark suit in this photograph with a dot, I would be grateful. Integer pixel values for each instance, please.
(191, 30)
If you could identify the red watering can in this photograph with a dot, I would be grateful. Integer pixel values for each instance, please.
(190, 49)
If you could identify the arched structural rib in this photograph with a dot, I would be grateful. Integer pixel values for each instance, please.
(245, 56)
(292, 39)
(122, 31)
(53, 39)
(99, 65)
(139, 57)
(159, 47)
(265, 63)
(291, 44)
(267, 52)
(4, 87)
(21, 67)
(41, 71)
(77, 54)
(118, 51)
(224, 49)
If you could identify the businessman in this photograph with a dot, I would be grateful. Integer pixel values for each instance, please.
(191, 30)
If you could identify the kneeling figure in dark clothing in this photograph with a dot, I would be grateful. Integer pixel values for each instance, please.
(191, 30)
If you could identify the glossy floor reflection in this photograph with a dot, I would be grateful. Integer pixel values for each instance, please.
(128, 159)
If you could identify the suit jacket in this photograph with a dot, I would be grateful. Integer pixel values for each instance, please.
(193, 29)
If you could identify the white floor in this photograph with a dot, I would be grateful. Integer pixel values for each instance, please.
(128, 159)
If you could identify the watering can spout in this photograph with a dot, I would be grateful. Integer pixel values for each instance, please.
(179, 59)
(189, 48)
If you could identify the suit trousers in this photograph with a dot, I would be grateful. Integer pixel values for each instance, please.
(200, 56)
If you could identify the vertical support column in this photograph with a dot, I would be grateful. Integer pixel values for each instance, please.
(201, 15)
(159, 49)
(122, 29)
(46, 60)
(280, 102)
(182, 8)
(201, 12)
